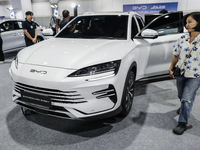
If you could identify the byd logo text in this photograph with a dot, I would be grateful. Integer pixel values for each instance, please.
(137, 7)
(38, 71)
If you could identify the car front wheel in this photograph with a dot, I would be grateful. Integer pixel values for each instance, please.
(128, 93)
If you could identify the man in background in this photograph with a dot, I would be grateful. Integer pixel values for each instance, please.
(163, 11)
(66, 18)
(30, 30)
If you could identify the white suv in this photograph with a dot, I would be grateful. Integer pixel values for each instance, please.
(89, 69)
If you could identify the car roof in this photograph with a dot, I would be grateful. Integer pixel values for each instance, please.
(11, 20)
(108, 13)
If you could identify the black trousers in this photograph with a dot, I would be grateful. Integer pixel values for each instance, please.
(28, 41)
(1, 50)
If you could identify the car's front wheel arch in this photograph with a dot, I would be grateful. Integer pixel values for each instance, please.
(128, 90)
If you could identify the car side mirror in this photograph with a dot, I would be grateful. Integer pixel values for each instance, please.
(2, 30)
(149, 33)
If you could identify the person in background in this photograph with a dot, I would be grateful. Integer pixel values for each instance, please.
(66, 18)
(6, 26)
(1, 49)
(30, 31)
(163, 11)
(187, 58)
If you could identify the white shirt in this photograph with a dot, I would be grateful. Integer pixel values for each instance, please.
(189, 55)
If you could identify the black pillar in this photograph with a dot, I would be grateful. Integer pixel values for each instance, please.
(75, 10)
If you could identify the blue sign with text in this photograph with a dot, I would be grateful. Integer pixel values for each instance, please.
(152, 8)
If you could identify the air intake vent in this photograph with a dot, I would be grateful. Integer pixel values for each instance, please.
(109, 92)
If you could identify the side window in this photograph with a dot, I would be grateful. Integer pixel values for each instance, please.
(168, 24)
(140, 22)
(1, 26)
(8, 26)
(134, 29)
(17, 25)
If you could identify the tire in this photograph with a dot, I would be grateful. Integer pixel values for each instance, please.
(39, 39)
(128, 94)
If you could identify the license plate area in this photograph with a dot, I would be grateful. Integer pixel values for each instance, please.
(36, 99)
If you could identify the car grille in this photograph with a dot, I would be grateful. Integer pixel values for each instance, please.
(55, 95)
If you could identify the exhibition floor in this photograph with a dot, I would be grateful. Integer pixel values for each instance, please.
(148, 126)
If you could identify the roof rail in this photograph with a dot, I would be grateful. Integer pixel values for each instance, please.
(85, 13)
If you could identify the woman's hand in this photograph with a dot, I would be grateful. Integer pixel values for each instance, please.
(171, 74)
(34, 40)
(174, 61)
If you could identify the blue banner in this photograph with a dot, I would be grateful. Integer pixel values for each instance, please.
(153, 8)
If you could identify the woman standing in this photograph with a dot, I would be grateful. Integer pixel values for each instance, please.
(187, 57)
(1, 50)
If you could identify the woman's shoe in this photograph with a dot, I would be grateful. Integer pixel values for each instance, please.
(180, 128)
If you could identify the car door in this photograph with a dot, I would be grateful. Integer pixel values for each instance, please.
(20, 33)
(9, 36)
(158, 51)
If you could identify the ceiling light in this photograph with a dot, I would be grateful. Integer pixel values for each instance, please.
(10, 8)
(73, 5)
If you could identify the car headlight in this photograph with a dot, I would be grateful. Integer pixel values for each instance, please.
(16, 62)
(112, 66)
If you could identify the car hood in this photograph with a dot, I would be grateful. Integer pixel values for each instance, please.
(74, 53)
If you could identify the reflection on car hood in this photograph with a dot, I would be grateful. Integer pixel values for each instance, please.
(74, 53)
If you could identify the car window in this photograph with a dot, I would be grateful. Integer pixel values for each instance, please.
(140, 22)
(18, 25)
(167, 24)
(8, 26)
(134, 29)
(102, 27)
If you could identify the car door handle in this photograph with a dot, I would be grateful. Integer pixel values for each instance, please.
(14, 34)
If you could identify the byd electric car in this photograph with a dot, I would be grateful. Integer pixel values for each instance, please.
(89, 68)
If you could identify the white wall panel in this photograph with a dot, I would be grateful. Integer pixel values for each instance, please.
(85, 7)
(26, 6)
(126, 2)
(97, 6)
(4, 11)
(46, 9)
(193, 5)
(117, 5)
(153, 1)
(107, 5)
(182, 5)
(41, 9)
(37, 9)
(141, 1)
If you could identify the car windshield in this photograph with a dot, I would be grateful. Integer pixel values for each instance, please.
(100, 27)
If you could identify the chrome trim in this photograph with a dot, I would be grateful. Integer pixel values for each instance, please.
(103, 92)
(55, 95)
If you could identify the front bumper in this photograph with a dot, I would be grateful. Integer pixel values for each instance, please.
(60, 96)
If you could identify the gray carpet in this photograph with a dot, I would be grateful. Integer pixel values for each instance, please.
(148, 126)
